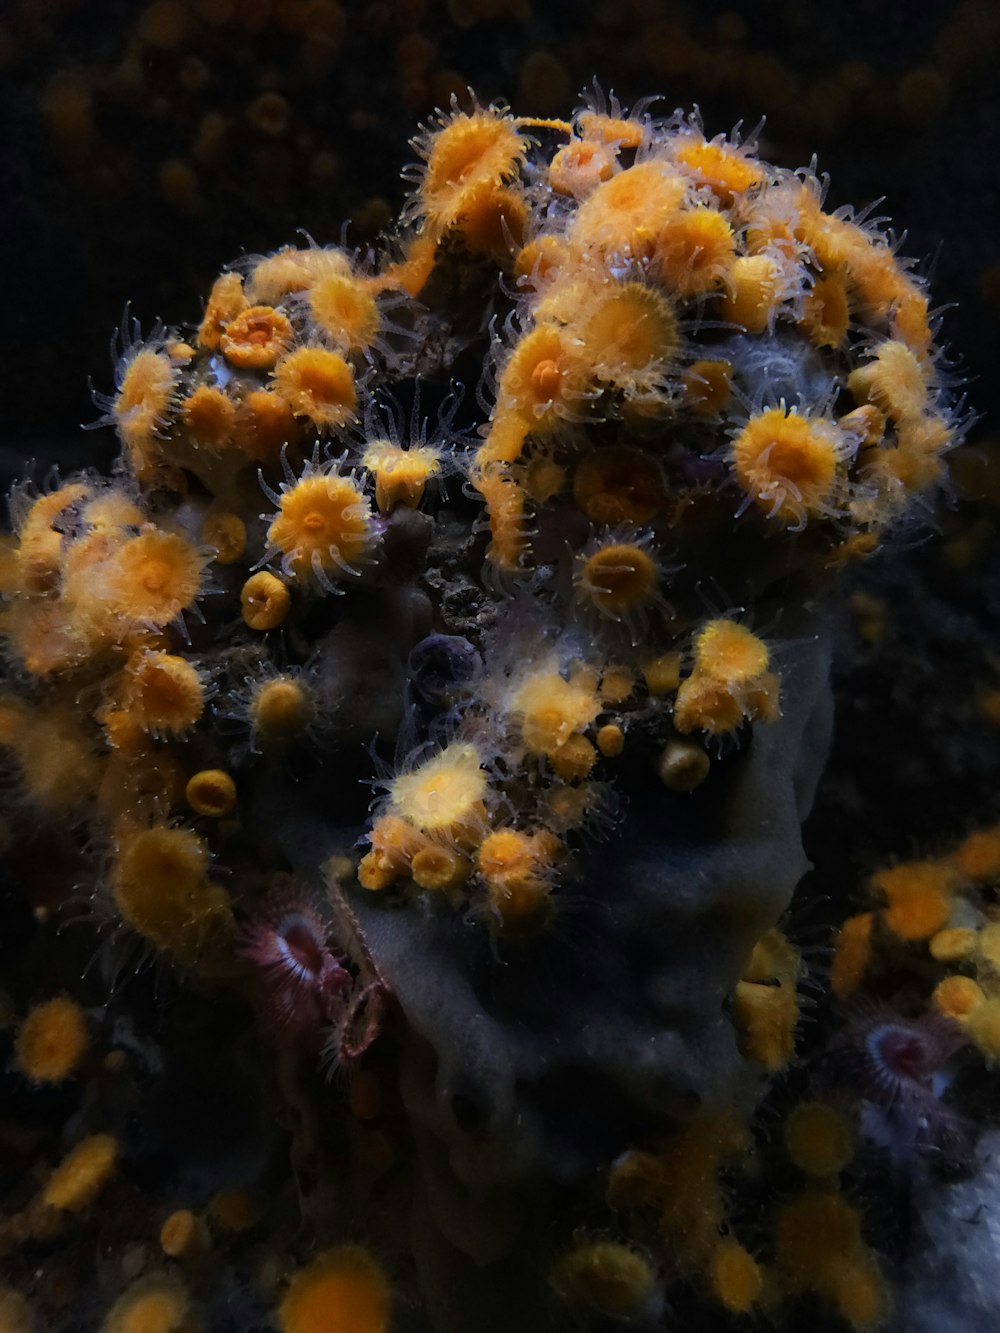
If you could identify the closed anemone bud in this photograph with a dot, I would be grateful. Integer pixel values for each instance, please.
(79, 1177)
(153, 577)
(819, 1140)
(51, 1041)
(319, 385)
(401, 475)
(753, 292)
(156, 1303)
(184, 1235)
(606, 1276)
(735, 1277)
(289, 270)
(162, 692)
(788, 464)
(211, 792)
(445, 795)
(343, 1290)
(256, 338)
(225, 301)
(893, 380)
(209, 417)
(265, 601)
(324, 527)
(345, 311)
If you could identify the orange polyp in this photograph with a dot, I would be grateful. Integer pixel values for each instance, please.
(623, 215)
(317, 384)
(345, 311)
(265, 601)
(619, 485)
(153, 577)
(726, 171)
(225, 301)
(693, 251)
(618, 578)
(256, 338)
(580, 166)
(788, 464)
(324, 518)
(343, 1290)
(469, 154)
(162, 692)
(730, 653)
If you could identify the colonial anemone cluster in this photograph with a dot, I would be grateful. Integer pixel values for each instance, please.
(696, 392)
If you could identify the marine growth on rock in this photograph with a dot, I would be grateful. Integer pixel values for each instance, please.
(429, 702)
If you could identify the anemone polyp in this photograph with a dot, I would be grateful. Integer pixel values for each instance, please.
(622, 215)
(153, 577)
(163, 692)
(630, 335)
(343, 1290)
(694, 251)
(788, 464)
(729, 652)
(445, 795)
(324, 526)
(256, 338)
(550, 710)
(401, 475)
(147, 385)
(345, 311)
(159, 883)
(155, 1303)
(617, 485)
(281, 708)
(465, 153)
(580, 166)
(52, 1041)
(317, 384)
(618, 575)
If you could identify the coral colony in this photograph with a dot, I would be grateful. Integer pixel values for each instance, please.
(434, 691)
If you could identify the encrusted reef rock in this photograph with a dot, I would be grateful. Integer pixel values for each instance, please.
(440, 682)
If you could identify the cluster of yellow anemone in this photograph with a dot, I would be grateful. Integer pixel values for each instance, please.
(941, 911)
(659, 231)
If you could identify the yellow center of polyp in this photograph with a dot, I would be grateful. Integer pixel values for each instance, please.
(313, 522)
(154, 576)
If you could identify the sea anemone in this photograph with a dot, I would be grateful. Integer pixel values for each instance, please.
(324, 526)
